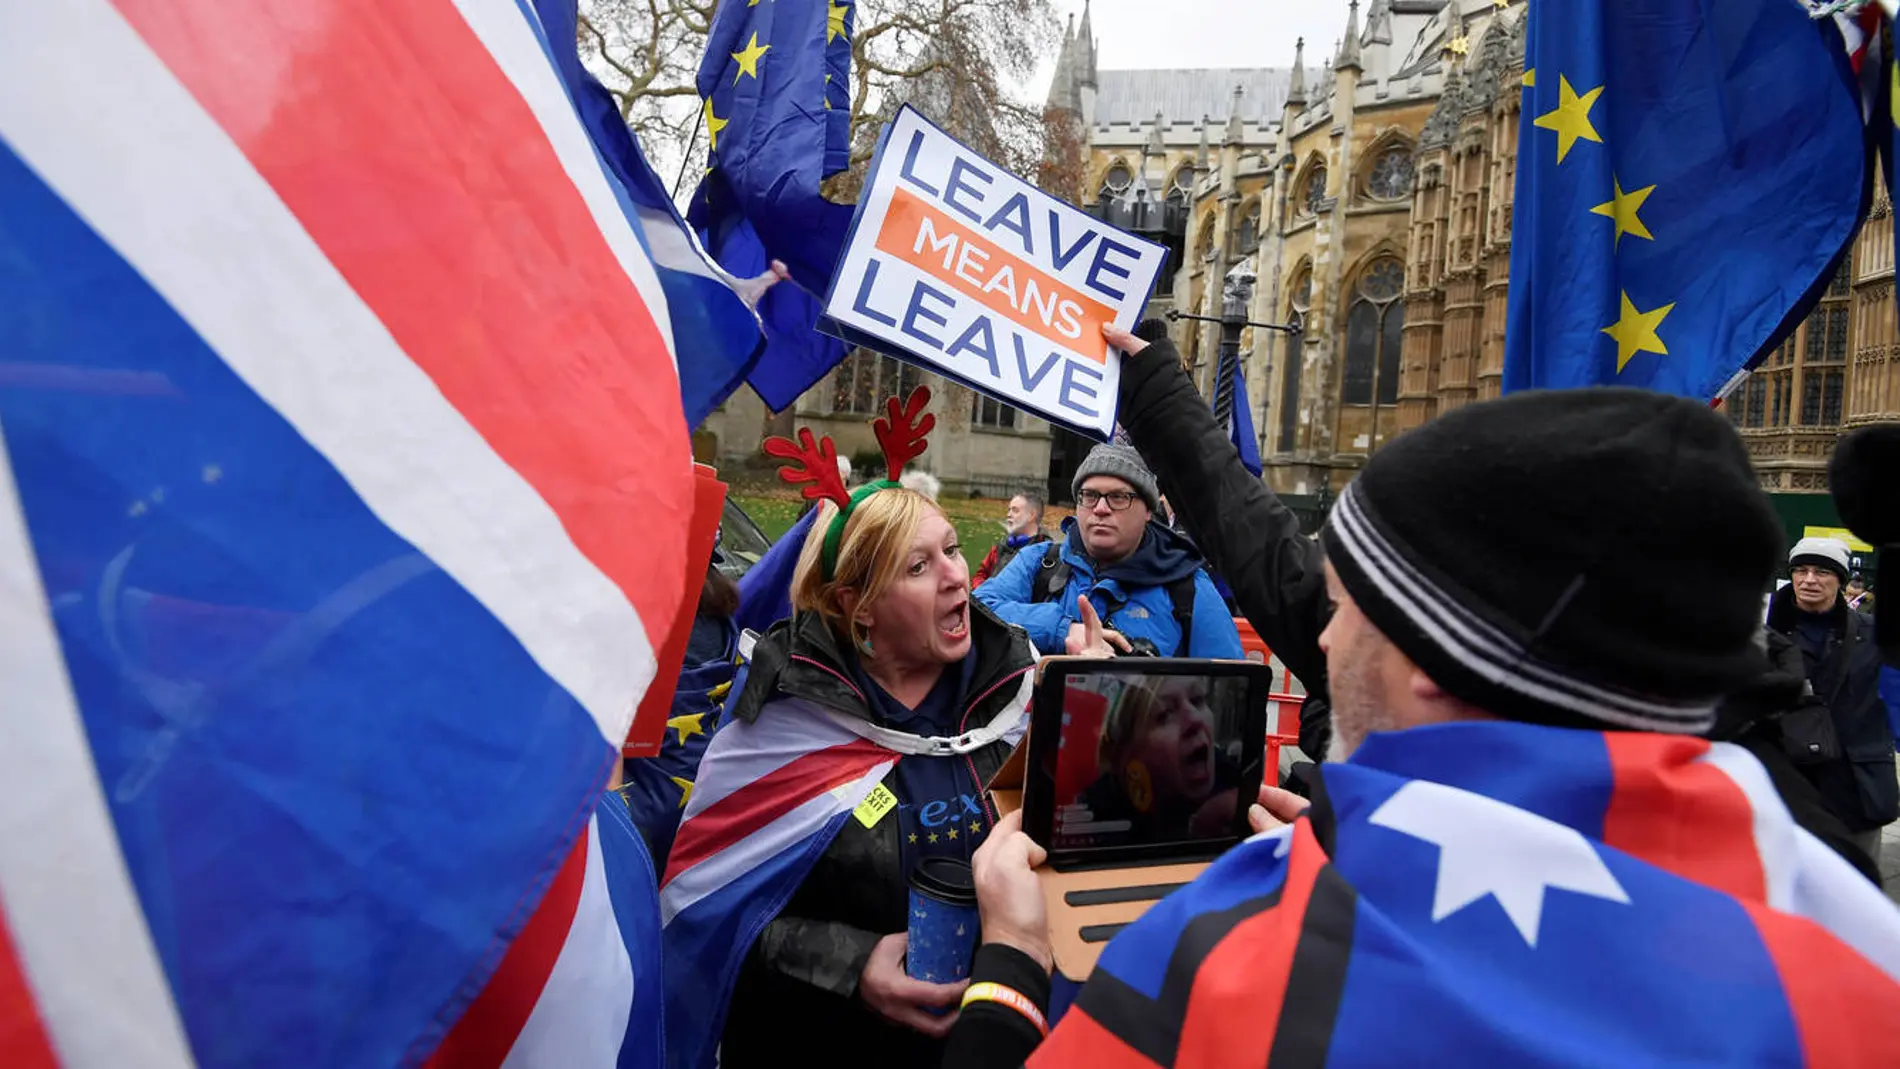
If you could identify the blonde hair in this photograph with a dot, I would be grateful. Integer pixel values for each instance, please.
(871, 556)
(1127, 721)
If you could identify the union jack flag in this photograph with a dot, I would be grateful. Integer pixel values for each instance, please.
(770, 797)
(343, 477)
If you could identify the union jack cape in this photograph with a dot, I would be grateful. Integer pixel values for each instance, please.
(770, 797)
(338, 509)
(1509, 894)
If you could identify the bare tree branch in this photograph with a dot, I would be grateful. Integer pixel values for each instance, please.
(957, 60)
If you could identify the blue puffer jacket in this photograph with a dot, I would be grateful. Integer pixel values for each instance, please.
(1132, 596)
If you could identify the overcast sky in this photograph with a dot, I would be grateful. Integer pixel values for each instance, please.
(1209, 33)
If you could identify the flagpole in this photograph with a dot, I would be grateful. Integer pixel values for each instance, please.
(688, 158)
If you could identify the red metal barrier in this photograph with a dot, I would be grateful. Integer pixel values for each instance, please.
(1280, 729)
(1283, 726)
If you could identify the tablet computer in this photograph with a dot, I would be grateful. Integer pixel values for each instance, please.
(1144, 760)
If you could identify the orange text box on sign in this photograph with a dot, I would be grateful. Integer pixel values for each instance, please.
(917, 233)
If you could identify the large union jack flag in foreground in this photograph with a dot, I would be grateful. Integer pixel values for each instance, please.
(343, 487)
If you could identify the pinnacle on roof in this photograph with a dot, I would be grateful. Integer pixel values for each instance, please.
(1349, 45)
(1296, 93)
(1085, 50)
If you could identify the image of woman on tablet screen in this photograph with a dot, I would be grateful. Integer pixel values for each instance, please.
(1165, 773)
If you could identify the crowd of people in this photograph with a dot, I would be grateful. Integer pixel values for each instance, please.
(1531, 636)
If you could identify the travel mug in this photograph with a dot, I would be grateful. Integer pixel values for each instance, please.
(943, 924)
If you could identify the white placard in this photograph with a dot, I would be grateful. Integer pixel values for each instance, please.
(961, 266)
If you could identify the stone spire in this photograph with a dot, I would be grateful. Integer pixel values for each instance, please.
(1235, 128)
(1085, 50)
(1296, 93)
(1062, 92)
(1200, 153)
(1349, 45)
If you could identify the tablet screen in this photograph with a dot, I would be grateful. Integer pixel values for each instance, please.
(1149, 759)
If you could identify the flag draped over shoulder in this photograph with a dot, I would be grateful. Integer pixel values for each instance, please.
(770, 797)
(1688, 175)
(776, 108)
(1490, 893)
(332, 366)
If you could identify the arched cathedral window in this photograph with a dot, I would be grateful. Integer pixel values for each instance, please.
(1373, 330)
(1314, 193)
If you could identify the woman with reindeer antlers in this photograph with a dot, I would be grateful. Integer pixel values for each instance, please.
(860, 747)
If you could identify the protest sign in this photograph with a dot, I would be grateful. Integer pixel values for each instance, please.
(957, 264)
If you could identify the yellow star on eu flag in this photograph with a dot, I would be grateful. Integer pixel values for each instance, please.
(687, 726)
(686, 789)
(834, 21)
(748, 60)
(1530, 77)
(952, 832)
(1635, 332)
(1623, 209)
(933, 836)
(714, 124)
(1571, 117)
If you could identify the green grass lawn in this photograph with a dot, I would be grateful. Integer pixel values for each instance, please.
(979, 521)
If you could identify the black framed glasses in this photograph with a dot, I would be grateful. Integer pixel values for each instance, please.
(1118, 500)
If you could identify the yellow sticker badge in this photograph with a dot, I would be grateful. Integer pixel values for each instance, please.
(872, 809)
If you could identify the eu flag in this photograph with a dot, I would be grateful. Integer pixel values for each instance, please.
(1240, 428)
(795, 355)
(775, 104)
(1689, 173)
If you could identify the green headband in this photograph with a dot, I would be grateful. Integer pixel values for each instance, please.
(900, 433)
(834, 535)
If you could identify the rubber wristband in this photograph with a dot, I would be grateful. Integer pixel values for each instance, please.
(1007, 996)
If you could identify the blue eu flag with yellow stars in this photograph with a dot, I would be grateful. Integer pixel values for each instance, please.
(775, 106)
(1689, 173)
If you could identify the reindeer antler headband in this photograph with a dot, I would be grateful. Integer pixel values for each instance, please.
(901, 433)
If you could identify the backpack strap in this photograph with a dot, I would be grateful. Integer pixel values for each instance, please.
(1181, 593)
(1052, 576)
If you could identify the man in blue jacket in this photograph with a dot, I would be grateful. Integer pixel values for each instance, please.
(1144, 580)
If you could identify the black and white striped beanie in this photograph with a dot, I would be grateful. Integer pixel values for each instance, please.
(1580, 557)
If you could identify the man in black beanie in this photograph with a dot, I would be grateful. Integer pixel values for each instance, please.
(1522, 820)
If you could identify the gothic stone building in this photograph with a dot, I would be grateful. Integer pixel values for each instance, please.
(1372, 204)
